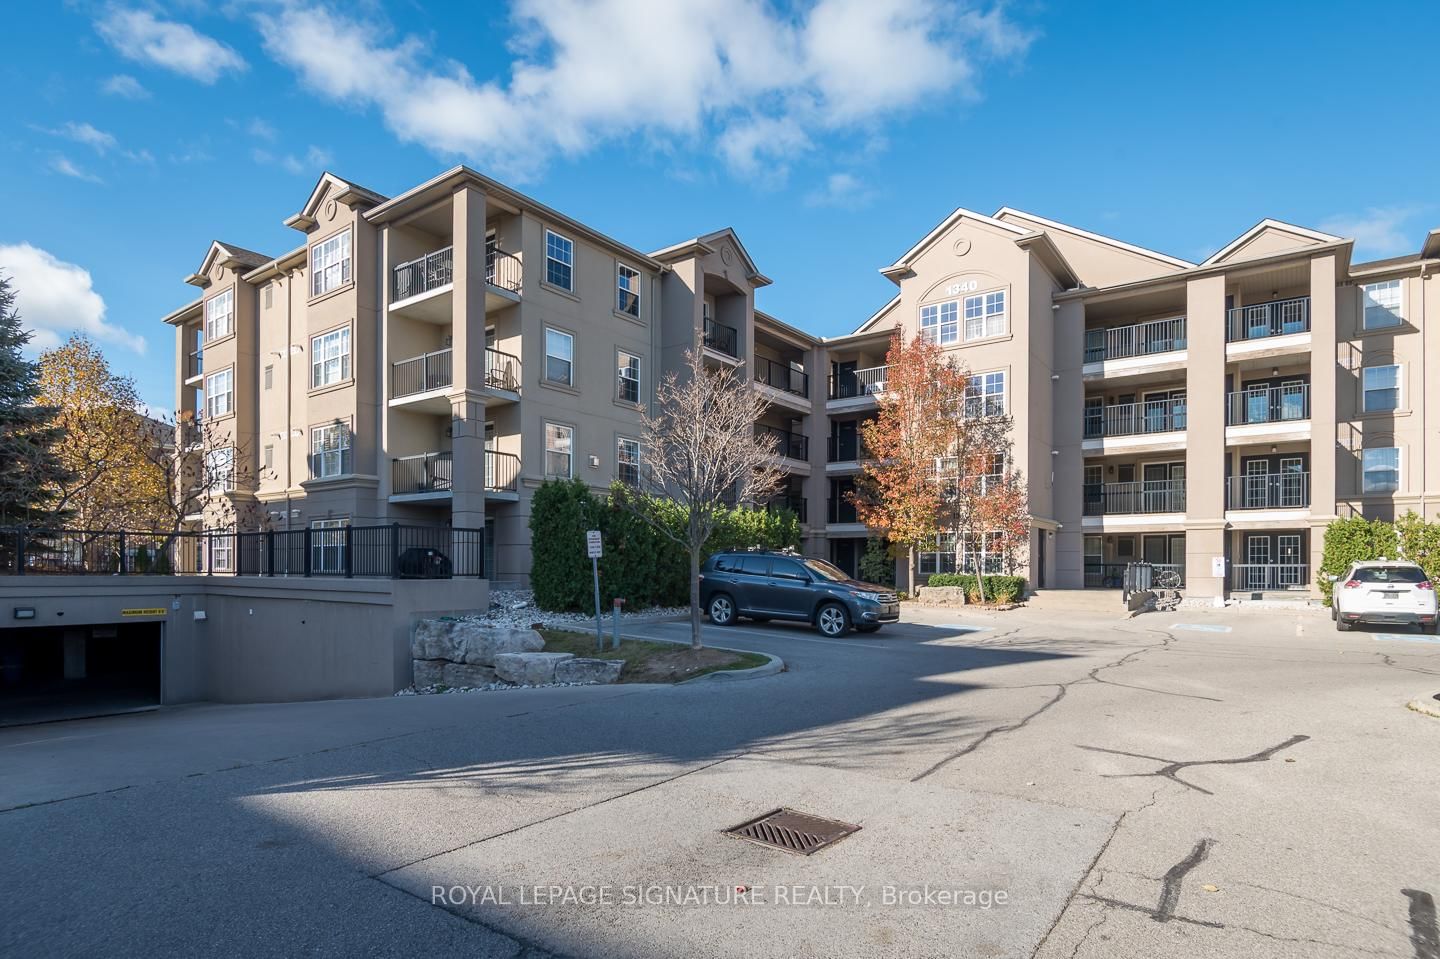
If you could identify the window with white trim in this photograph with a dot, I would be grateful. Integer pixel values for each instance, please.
(627, 290)
(329, 450)
(330, 263)
(938, 555)
(994, 476)
(627, 381)
(1380, 304)
(1380, 469)
(327, 545)
(559, 450)
(559, 357)
(222, 550)
(985, 394)
(330, 357)
(985, 315)
(559, 261)
(220, 469)
(627, 461)
(940, 322)
(1381, 388)
(269, 380)
(220, 315)
(219, 393)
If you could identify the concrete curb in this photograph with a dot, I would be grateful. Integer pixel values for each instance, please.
(775, 665)
(1426, 705)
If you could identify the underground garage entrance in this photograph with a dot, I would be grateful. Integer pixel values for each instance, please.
(67, 672)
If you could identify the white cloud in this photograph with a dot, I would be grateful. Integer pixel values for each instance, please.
(314, 160)
(259, 128)
(841, 190)
(56, 298)
(61, 164)
(1378, 231)
(737, 77)
(141, 36)
(124, 86)
(84, 133)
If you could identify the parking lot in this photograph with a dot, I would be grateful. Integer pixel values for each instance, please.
(1042, 782)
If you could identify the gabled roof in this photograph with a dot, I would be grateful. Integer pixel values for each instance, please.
(877, 316)
(708, 244)
(330, 185)
(227, 255)
(1297, 236)
(1175, 261)
(903, 263)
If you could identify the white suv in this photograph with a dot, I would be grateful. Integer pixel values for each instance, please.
(1384, 591)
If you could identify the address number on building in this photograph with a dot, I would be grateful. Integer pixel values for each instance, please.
(968, 286)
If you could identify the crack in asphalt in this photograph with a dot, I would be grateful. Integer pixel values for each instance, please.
(1172, 767)
(1150, 911)
(1170, 886)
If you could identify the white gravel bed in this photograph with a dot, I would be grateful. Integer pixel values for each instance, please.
(516, 608)
(442, 690)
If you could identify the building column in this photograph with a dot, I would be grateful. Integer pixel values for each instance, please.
(467, 402)
(1324, 437)
(1205, 437)
(467, 466)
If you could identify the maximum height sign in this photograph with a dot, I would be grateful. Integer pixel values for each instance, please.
(593, 551)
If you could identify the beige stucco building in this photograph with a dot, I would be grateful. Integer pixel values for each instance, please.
(433, 357)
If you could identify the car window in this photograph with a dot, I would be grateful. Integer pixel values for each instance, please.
(726, 564)
(755, 565)
(788, 568)
(825, 571)
(1389, 574)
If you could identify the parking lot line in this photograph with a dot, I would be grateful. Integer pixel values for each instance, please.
(1406, 637)
(1201, 627)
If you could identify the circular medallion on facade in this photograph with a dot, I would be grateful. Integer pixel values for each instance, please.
(216, 272)
(727, 255)
(962, 246)
(330, 209)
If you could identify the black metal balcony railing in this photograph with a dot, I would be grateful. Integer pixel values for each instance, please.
(423, 274)
(434, 371)
(1275, 318)
(781, 376)
(502, 471)
(1271, 404)
(195, 364)
(1259, 577)
(502, 370)
(1099, 575)
(795, 446)
(845, 448)
(795, 504)
(1129, 419)
(1268, 491)
(503, 270)
(434, 473)
(721, 338)
(1138, 339)
(388, 552)
(1151, 496)
(840, 510)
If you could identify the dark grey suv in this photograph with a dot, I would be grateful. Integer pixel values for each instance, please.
(776, 585)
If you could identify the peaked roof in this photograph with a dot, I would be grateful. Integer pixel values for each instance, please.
(877, 316)
(226, 254)
(707, 244)
(903, 263)
(331, 185)
(1268, 225)
(1175, 261)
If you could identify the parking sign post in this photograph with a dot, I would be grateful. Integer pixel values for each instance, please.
(593, 550)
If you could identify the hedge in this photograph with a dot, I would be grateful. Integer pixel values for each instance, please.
(1356, 539)
(639, 563)
(995, 584)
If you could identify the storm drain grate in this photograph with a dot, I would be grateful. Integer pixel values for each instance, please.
(793, 831)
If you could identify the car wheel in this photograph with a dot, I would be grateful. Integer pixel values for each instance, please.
(1341, 626)
(867, 629)
(722, 610)
(832, 620)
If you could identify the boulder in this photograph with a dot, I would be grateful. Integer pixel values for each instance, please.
(459, 674)
(529, 669)
(589, 671)
(479, 645)
(436, 639)
(428, 672)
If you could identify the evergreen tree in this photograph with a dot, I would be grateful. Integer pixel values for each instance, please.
(29, 466)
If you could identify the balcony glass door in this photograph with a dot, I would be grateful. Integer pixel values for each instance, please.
(1292, 481)
(1257, 480)
(1290, 562)
(489, 460)
(1257, 559)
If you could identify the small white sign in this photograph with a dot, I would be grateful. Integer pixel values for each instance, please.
(592, 544)
(1217, 567)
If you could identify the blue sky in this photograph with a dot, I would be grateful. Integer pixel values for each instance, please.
(830, 134)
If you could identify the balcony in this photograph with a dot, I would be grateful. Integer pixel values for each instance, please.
(422, 287)
(793, 446)
(1264, 577)
(1260, 321)
(423, 275)
(194, 365)
(793, 503)
(781, 376)
(429, 474)
(1139, 339)
(858, 383)
(845, 448)
(428, 372)
(1118, 499)
(840, 510)
(1135, 419)
(1101, 575)
(1268, 491)
(1270, 404)
(721, 338)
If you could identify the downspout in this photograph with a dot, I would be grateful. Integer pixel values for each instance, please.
(289, 440)
(1424, 405)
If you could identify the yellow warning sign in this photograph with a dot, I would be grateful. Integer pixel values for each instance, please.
(160, 611)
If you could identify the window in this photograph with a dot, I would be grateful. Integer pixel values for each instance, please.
(940, 322)
(627, 290)
(327, 545)
(330, 264)
(559, 261)
(269, 459)
(627, 384)
(269, 376)
(559, 450)
(559, 357)
(220, 469)
(329, 450)
(269, 295)
(220, 315)
(937, 556)
(1382, 388)
(1381, 304)
(222, 551)
(788, 569)
(219, 393)
(985, 394)
(984, 315)
(330, 358)
(627, 461)
(994, 475)
(1380, 470)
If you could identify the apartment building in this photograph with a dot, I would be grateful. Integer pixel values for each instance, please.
(432, 358)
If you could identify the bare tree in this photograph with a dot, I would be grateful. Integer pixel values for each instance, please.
(699, 450)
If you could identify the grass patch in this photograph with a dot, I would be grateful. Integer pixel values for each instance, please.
(651, 662)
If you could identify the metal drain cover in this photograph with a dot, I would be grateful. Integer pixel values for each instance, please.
(792, 831)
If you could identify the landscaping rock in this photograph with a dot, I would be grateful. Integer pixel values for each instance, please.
(529, 669)
(459, 674)
(428, 672)
(436, 639)
(481, 644)
(589, 671)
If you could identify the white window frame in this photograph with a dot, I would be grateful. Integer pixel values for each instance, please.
(567, 432)
(222, 550)
(330, 446)
(569, 360)
(220, 402)
(220, 315)
(1365, 390)
(987, 320)
(980, 397)
(1364, 470)
(330, 263)
(940, 322)
(327, 545)
(330, 358)
(623, 446)
(627, 284)
(1369, 302)
(566, 261)
(621, 379)
(220, 469)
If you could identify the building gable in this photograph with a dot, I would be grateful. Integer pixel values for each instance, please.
(1098, 260)
(1268, 238)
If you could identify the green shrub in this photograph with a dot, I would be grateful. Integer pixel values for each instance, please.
(876, 564)
(1352, 540)
(996, 586)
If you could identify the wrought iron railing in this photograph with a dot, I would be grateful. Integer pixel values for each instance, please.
(1275, 318)
(434, 371)
(781, 376)
(502, 471)
(195, 364)
(1152, 496)
(423, 274)
(1138, 339)
(504, 270)
(1285, 490)
(795, 446)
(1268, 404)
(1257, 577)
(839, 509)
(1129, 419)
(721, 338)
(422, 473)
(845, 448)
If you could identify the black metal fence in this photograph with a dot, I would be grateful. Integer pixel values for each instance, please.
(374, 552)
